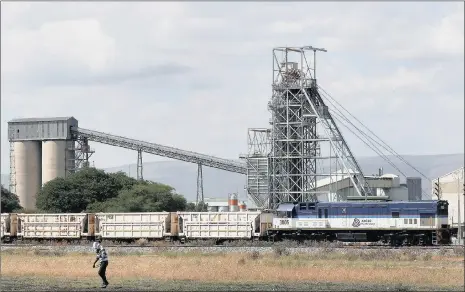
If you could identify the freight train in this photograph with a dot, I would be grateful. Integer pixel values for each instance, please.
(395, 223)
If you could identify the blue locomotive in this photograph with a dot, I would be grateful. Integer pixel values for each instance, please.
(397, 223)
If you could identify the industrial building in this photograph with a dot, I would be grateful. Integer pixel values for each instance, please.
(450, 187)
(41, 150)
(231, 204)
(302, 157)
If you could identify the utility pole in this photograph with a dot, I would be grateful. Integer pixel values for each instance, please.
(459, 233)
(459, 175)
(460, 178)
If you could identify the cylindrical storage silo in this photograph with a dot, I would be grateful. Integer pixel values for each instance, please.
(56, 159)
(233, 203)
(28, 172)
(223, 209)
(212, 209)
(242, 207)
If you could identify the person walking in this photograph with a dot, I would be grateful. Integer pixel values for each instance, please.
(102, 256)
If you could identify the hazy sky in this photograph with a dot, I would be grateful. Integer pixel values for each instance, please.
(197, 75)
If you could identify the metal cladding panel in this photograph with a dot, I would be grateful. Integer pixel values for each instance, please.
(217, 224)
(27, 172)
(414, 188)
(57, 159)
(51, 225)
(266, 222)
(132, 225)
(398, 194)
(212, 209)
(454, 200)
(4, 225)
(218, 216)
(223, 209)
(41, 129)
(217, 230)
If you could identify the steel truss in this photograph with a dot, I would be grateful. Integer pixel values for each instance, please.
(82, 152)
(160, 150)
(301, 122)
(259, 148)
(12, 186)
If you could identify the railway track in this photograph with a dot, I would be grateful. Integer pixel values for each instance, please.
(183, 246)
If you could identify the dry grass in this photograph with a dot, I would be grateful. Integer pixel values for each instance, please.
(329, 266)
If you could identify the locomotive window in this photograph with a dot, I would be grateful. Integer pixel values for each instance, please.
(303, 206)
(414, 221)
(319, 213)
(405, 221)
(409, 221)
(442, 209)
(395, 214)
(326, 213)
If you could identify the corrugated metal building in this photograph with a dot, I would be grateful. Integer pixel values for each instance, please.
(451, 189)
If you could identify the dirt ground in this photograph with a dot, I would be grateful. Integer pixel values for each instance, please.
(376, 271)
(43, 284)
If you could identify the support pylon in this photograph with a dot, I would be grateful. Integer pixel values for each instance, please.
(140, 175)
(200, 197)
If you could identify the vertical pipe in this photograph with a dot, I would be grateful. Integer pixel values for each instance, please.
(459, 233)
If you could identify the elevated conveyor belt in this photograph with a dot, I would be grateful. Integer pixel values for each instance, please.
(160, 150)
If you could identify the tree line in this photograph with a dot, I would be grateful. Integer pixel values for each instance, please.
(93, 190)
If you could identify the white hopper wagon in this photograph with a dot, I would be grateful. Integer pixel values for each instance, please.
(133, 225)
(52, 226)
(5, 222)
(223, 225)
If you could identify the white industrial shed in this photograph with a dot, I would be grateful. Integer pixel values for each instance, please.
(451, 189)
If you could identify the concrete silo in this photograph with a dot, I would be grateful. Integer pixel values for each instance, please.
(57, 159)
(27, 155)
(41, 150)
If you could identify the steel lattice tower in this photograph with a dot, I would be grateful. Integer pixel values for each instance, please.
(297, 112)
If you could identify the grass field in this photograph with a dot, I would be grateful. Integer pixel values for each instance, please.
(330, 270)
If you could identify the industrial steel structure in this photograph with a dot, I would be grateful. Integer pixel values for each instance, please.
(300, 124)
(302, 157)
(258, 177)
(46, 148)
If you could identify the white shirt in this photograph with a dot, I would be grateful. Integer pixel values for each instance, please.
(102, 255)
(95, 245)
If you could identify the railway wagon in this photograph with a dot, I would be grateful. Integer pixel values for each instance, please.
(223, 225)
(422, 222)
(52, 226)
(8, 226)
(150, 225)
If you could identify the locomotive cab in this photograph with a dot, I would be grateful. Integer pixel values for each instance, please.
(284, 216)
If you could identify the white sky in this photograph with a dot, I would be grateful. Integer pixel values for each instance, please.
(397, 66)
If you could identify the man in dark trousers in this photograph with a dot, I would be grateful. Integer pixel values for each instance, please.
(103, 257)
